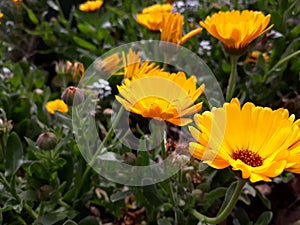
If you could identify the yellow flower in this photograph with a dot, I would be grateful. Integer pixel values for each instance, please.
(1, 15)
(162, 96)
(293, 164)
(108, 65)
(152, 16)
(158, 8)
(56, 105)
(133, 68)
(252, 139)
(171, 29)
(253, 57)
(90, 6)
(235, 29)
(77, 71)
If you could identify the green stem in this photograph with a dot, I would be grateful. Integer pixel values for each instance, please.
(227, 210)
(163, 150)
(29, 210)
(91, 163)
(2, 147)
(64, 204)
(232, 77)
(280, 63)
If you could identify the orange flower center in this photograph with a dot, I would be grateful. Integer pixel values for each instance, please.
(250, 158)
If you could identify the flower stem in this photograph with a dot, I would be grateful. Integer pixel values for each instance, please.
(232, 77)
(226, 211)
(280, 63)
(91, 163)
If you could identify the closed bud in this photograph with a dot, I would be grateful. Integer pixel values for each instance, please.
(72, 96)
(47, 141)
(197, 194)
(44, 192)
(129, 158)
(108, 112)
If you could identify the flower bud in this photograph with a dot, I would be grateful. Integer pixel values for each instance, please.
(108, 112)
(44, 192)
(47, 141)
(5, 126)
(197, 194)
(72, 96)
(129, 158)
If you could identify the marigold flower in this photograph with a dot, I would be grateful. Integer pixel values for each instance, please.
(134, 69)
(235, 29)
(293, 163)
(90, 6)
(56, 105)
(252, 139)
(171, 29)
(162, 96)
(152, 16)
(17, 1)
(108, 65)
(253, 57)
(158, 8)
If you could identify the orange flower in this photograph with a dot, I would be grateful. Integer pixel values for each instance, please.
(252, 139)
(171, 29)
(108, 65)
(236, 30)
(162, 96)
(56, 105)
(133, 68)
(253, 57)
(293, 164)
(90, 6)
(152, 16)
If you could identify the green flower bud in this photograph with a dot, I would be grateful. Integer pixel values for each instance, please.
(44, 192)
(47, 141)
(72, 96)
(129, 158)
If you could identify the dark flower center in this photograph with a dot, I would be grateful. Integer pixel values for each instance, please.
(250, 158)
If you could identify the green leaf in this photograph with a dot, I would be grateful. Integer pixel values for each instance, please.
(85, 44)
(69, 222)
(86, 29)
(89, 220)
(32, 17)
(264, 199)
(143, 155)
(150, 193)
(265, 218)
(14, 154)
(163, 222)
(119, 196)
(53, 5)
(295, 32)
(29, 195)
(51, 218)
(242, 216)
(215, 193)
(228, 195)
(276, 18)
(1, 217)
